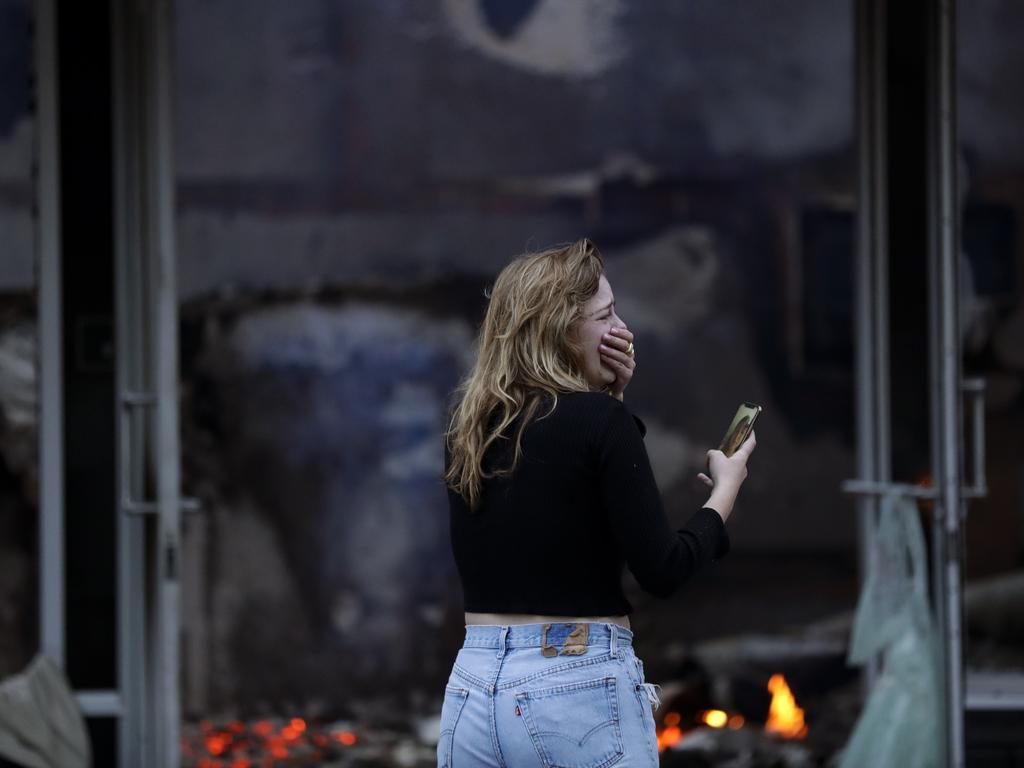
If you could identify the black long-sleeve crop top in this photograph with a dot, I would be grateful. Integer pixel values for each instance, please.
(582, 504)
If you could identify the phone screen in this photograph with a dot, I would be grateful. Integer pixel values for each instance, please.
(740, 428)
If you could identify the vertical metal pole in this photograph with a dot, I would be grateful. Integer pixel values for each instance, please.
(863, 336)
(51, 372)
(935, 343)
(945, 367)
(871, 318)
(167, 453)
(147, 382)
(134, 733)
(880, 246)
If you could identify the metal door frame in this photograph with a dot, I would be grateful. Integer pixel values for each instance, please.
(147, 381)
(146, 699)
(51, 369)
(874, 455)
(946, 383)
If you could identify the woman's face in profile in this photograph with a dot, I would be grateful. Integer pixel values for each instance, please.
(599, 317)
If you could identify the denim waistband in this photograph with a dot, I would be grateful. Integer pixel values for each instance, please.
(602, 634)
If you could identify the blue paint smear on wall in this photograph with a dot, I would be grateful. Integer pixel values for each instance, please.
(334, 424)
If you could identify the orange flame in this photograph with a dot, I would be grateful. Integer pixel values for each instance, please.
(670, 736)
(784, 716)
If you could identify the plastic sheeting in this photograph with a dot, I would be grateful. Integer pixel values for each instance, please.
(901, 724)
(40, 723)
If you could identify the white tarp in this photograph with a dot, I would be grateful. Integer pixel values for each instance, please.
(901, 724)
(40, 723)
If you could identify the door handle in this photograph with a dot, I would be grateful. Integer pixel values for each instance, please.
(975, 388)
(132, 404)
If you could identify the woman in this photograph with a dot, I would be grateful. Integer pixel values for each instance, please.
(551, 495)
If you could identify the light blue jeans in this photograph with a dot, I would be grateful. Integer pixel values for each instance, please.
(550, 696)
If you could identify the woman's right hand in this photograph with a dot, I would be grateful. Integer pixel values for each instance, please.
(727, 474)
(729, 471)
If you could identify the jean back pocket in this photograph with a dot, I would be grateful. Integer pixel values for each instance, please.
(574, 725)
(454, 701)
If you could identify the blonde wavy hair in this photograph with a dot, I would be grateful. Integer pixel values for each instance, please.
(526, 352)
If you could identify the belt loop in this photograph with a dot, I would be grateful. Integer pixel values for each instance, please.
(614, 637)
(501, 641)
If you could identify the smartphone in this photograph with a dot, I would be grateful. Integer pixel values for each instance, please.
(740, 428)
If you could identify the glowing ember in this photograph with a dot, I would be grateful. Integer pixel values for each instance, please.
(263, 728)
(716, 718)
(784, 717)
(216, 745)
(263, 744)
